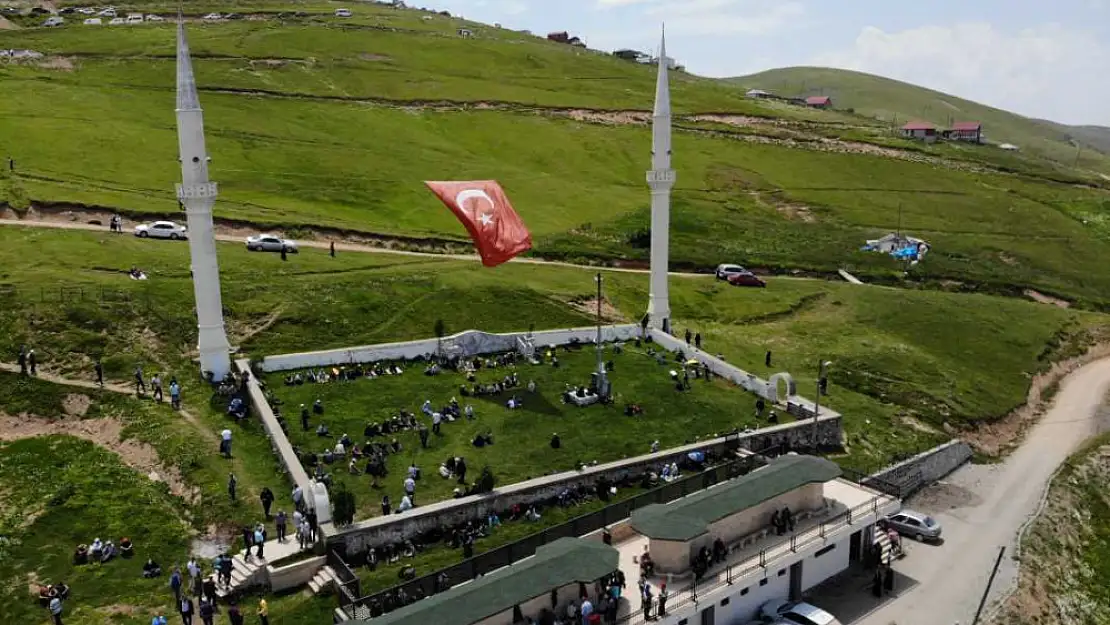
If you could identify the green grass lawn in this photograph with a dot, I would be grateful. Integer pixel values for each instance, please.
(521, 437)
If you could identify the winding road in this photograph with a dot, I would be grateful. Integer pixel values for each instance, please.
(983, 507)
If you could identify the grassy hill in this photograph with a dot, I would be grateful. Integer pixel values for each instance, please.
(318, 122)
(897, 102)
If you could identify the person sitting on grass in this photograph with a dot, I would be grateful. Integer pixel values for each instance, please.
(109, 552)
(352, 467)
(322, 431)
(126, 548)
(96, 550)
(81, 555)
(318, 407)
(532, 514)
(151, 568)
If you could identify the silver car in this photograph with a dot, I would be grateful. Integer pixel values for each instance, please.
(161, 230)
(920, 527)
(778, 610)
(270, 243)
(724, 271)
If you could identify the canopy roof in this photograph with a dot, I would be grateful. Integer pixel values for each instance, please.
(561, 563)
(690, 517)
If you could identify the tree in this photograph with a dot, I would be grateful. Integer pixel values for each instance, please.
(343, 506)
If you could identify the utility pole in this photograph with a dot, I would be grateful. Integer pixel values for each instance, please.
(821, 385)
(987, 591)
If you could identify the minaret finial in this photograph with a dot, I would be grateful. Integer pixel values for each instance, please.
(187, 99)
(662, 86)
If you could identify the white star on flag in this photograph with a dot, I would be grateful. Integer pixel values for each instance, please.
(486, 219)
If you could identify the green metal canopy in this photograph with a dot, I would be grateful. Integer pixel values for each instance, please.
(690, 517)
(561, 563)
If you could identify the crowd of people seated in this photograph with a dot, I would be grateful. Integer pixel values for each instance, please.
(102, 551)
(323, 375)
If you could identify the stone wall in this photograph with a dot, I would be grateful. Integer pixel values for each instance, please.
(381, 530)
(925, 468)
(468, 343)
(768, 389)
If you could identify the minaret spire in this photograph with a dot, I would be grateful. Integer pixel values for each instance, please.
(197, 194)
(660, 178)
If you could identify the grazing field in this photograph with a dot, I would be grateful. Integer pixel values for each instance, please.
(319, 122)
(521, 437)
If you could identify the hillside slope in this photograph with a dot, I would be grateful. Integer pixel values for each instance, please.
(318, 122)
(897, 102)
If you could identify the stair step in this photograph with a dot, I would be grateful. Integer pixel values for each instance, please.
(341, 615)
(237, 577)
(314, 586)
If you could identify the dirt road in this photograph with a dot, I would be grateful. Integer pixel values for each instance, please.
(983, 507)
(348, 247)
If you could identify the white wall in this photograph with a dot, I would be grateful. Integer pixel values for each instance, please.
(470, 342)
(817, 569)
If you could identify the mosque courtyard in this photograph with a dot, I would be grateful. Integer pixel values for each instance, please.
(521, 437)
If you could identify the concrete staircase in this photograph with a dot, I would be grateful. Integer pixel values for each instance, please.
(243, 575)
(324, 582)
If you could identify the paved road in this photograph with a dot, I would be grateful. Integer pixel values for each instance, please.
(981, 508)
(353, 247)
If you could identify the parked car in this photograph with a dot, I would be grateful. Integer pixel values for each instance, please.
(109, 12)
(54, 21)
(795, 612)
(161, 230)
(86, 10)
(270, 243)
(746, 278)
(116, 21)
(919, 526)
(93, 21)
(135, 19)
(66, 11)
(155, 18)
(724, 271)
(343, 13)
(212, 17)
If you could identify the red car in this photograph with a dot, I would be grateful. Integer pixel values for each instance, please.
(746, 278)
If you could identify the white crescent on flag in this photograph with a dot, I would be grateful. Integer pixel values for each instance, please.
(467, 194)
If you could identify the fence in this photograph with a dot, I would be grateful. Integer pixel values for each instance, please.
(347, 582)
(506, 555)
(870, 481)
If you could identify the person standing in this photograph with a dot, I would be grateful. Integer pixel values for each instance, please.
(646, 599)
(231, 483)
(207, 611)
(423, 431)
(304, 417)
(767, 359)
(156, 387)
(175, 584)
(225, 444)
(186, 609)
(259, 541)
(194, 576)
(140, 385)
(331, 249)
(279, 524)
(56, 610)
(31, 362)
(267, 497)
(689, 335)
(234, 615)
(663, 595)
(263, 612)
(437, 418)
(697, 340)
(209, 590)
(385, 505)
(410, 488)
(22, 360)
(175, 394)
(99, 367)
(311, 519)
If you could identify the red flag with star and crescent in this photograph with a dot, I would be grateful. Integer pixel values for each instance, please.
(481, 205)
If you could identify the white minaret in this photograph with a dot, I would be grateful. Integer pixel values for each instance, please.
(198, 195)
(660, 178)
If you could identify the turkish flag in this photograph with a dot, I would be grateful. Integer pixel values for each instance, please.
(498, 232)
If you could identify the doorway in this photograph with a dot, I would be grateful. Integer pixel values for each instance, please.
(855, 547)
(796, 580)
(707, 615)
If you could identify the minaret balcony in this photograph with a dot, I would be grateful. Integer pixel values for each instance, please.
(192, 191)
(660, 177)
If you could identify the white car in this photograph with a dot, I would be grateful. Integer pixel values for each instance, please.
(109, 12)
(778, 610)
(270, 243)
(343, 13)
(93, 21)
(116, 21)
(134, 19)
(155, 18)
(212, 17)
(724, 271)
(86, 11)
(161, 230)
(54, 21)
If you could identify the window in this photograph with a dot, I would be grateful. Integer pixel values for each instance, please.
(725, 601)
(743, 591)
(823, 550)
(763, 582)
(782, 572)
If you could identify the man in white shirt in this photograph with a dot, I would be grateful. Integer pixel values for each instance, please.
(469, 410)
(410, 488)
(406, 504)
(437, 418)
(225, 443)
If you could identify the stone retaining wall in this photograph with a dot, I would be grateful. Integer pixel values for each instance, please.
(361, 536)
(925, 468)
(468, 343)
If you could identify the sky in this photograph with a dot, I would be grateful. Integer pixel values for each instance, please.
(1042, 59)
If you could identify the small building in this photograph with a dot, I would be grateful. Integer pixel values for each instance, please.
(819, 102)
(629, 55)
(920, 130)
(971, 132)
(465, 32)
(556, 575)
(560, 37)
(759, 94)
(576, 42)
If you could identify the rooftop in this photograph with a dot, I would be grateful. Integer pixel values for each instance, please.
(919, 126)
(818, 99)
(690, 517)
(561, 563)
(967, 126)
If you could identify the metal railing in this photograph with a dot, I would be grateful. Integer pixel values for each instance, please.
(347, 582)
(506, 555)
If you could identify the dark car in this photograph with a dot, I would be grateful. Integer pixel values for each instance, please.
(746, 278)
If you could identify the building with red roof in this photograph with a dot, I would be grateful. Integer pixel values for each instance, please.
(966, 131)
(920, 130)
(819, 101)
